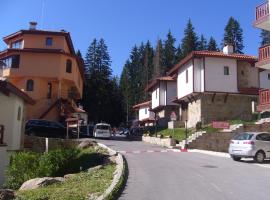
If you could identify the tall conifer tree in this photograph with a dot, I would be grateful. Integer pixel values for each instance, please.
(190, 40)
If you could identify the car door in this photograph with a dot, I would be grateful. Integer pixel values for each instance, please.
(263, 143)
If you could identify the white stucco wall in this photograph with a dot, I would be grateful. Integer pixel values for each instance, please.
(198, 75)
(171, 92)
(264, 82)
(215, 80)
(155, 97)
(144, 113)
(8, 117)
(162, 93)
(184, 88)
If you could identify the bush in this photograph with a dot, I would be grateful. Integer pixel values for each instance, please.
(198, 126)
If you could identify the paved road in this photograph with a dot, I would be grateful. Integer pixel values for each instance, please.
(189, 176)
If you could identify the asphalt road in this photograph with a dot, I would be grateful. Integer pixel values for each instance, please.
(170, 175)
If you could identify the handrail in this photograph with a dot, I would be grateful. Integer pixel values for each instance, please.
(262, 10)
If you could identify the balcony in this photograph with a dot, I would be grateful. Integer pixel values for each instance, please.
(264, 100)
(264, 57)
(262, 16)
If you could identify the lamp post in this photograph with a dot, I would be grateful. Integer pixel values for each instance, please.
(186, 145)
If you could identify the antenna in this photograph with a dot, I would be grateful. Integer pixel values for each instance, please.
(42, 13)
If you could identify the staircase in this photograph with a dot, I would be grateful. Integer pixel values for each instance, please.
(233, 128)
(190, 139)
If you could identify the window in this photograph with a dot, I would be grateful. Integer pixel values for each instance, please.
(69, 66)
(16, 44)
(263, 137)
(49, 41)
(186, 76)
(145, 110)
(30, 85)
(49, 94)
(226, 70)
(11, 62)
(19, 113)
(268, 76)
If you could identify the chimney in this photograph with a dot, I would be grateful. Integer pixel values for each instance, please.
(32, 25)
(228, 49)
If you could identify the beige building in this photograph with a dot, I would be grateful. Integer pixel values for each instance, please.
(12, 118)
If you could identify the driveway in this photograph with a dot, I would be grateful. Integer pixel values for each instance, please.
(158, 174)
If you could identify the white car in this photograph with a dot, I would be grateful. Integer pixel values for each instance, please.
(254, 145)
(102, 130)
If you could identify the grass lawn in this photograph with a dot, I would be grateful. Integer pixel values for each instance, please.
(75, 188)
(178, 134)
(239, 121)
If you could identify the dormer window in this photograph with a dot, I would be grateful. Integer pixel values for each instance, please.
(16, 44)
(49, 41)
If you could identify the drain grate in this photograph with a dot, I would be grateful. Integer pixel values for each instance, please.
(209, 166)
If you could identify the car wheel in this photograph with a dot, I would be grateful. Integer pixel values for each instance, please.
(259, 157)
(235, 158)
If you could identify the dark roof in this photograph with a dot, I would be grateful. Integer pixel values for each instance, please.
(154, 82)
(194, 54)
(7, 88)
(143, 104)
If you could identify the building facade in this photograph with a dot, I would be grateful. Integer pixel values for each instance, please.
(145, 116)
(45, 66)
(216, 86)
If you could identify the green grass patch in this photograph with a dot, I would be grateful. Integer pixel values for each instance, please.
(178, 133)
(75, 188)
(239, 121)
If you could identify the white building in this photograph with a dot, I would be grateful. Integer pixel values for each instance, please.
(12, 112)
(217, 86)
(163, 91)
(146, 117)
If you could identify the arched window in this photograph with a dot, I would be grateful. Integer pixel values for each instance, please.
(30, 85)
(69, 66)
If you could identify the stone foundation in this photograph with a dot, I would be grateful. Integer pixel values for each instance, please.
(165, 142)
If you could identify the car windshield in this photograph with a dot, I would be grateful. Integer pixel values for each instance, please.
(103, 127)
(243, 136)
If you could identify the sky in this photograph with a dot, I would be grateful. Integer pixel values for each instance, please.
(124, 23)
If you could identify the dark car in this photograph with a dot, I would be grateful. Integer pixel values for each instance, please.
(45, 128)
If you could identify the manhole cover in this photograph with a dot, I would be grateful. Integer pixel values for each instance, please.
(209, 166)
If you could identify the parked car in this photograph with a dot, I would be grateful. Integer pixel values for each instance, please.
(45, 128)
(102, 130)
(254, 145)
(86, 131)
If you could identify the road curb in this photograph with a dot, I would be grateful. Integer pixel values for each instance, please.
(120, 176)
(212, 153)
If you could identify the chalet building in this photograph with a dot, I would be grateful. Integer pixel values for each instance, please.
(45, 66)
(217, 86)
(163, 90)
(262, 21)
(146, 117)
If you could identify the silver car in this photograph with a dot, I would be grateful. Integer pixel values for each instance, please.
(254, 145)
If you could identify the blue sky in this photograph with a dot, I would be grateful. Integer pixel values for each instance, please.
(124, 23)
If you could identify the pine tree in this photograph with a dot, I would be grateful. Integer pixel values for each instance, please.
(157, 60)
(265, 37)
(202, 44)
(234, 35)
(179, 54)
(190, 40)
(212, 45)
(78, 53)
(169, 52)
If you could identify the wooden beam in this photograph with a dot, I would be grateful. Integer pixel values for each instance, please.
(213, 97)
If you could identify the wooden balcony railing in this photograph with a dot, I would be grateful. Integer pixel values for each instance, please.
(264, 97)
(2, 129)
(262, 10)
(264, 53)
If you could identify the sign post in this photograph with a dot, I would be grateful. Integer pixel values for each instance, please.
(173, 119)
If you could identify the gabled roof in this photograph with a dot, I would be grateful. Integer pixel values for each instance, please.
(154, 82)
(41, 32)
(7, 88)
(199, 54)
(143, 104)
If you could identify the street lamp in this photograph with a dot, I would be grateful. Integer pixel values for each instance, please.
(186, 145)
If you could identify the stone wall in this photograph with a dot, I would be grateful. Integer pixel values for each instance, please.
(221, 107)
(164, 115)
(38, 144)
(165, 142)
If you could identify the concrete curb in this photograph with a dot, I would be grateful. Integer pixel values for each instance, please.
(212, 153)
(119, 175)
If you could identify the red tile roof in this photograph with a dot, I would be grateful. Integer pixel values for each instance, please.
(198, 54)
(7, 88)
(144, 104)
(156, 81)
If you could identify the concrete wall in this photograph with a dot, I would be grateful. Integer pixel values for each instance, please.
(248, 76)
(14, 124)
(198, 75)
(264, 81)
(184, 88)
(215, 80)
(3, 163)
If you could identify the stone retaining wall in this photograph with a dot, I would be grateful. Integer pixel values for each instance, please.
(165, 142)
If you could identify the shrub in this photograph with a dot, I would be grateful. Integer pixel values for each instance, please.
(198, 126)
(23, 166)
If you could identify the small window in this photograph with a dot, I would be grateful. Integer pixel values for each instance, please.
(15, 61)
(19, 113)
(30, 85)
(69, 66)
(49, 41)
(268, 76)
(186, 76)
(16, 44)
(226, 70)
(145, 110)
(49, 94)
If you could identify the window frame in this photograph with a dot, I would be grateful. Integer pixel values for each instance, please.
(30, 85)
(69, 66)
(226, 70)
(49, 41)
